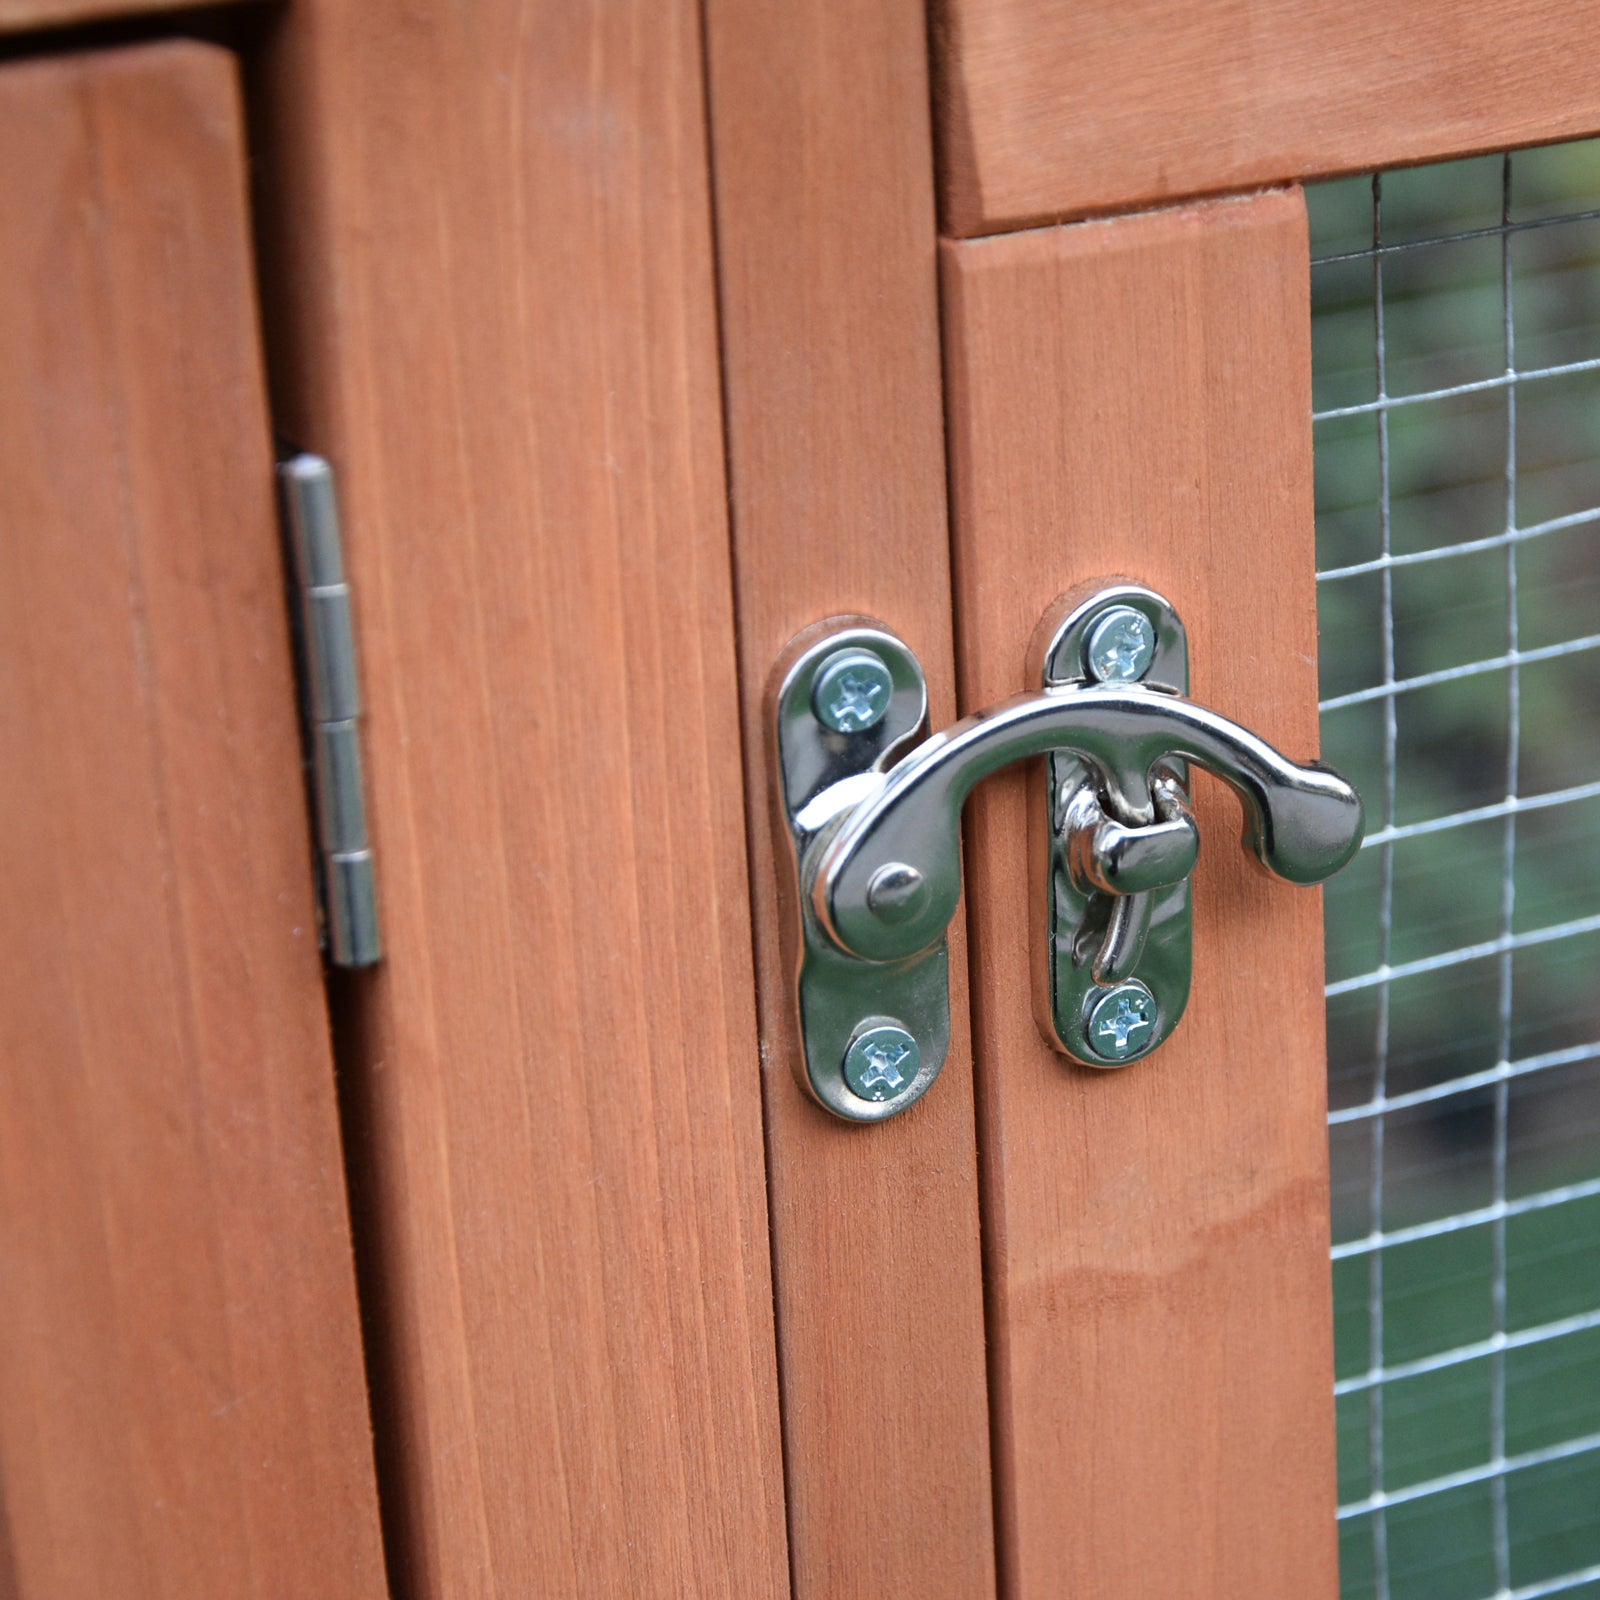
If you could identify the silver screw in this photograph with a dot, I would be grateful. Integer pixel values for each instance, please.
(882, 1062)
(1122, 644)
(897, 893)
(1121, 1021)
(852, 691)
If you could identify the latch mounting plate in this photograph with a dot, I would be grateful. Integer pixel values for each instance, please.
(875, 1033)
(1121, 960)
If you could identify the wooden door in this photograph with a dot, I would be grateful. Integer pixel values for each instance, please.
(1127, 357)
(1158, 1234)
(183, 1404)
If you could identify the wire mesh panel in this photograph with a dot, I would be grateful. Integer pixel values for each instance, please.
(1456, 329)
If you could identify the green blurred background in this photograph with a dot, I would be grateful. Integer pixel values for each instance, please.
(1448, 460)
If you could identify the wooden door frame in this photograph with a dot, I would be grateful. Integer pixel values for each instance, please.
(1049, 112)
(832, 383)
(488, 235)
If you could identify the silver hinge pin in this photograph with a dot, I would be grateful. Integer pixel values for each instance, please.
(332, 710)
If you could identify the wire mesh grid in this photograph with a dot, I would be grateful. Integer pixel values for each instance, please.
(1459, 555)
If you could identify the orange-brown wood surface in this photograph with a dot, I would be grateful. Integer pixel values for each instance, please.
(826, 244)
(492, 305)
(182, 1401)
(1133, 398)
(1054, 108)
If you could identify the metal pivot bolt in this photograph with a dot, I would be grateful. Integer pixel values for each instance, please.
(852, 691)
(882, 1062)
(897, 892)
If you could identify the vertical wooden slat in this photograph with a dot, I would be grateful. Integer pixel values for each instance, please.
(182, 1405)
(826, 252)
(492, 306)
(1132, 398)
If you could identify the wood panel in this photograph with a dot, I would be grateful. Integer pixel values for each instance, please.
(182, 1401)
(826, 240)
(492, 306)
(1133, 398)
(1053, 109)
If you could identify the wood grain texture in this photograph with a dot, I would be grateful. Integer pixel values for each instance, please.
(826, 245)
(29, 16)
(492, 306)
(1133, 398)
(182, 1401)
(1054, 109)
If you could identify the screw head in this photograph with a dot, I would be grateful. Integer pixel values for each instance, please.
(851, 691)
(897, 893)
(882, 1062)
(1120, 1022)
(1121, 646)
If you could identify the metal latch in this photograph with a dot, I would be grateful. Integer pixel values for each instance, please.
(873, 813)
(331, 700)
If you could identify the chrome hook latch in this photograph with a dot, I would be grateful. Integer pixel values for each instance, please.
(874, 819)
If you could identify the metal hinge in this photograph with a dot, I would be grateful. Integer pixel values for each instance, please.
(331, 705)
